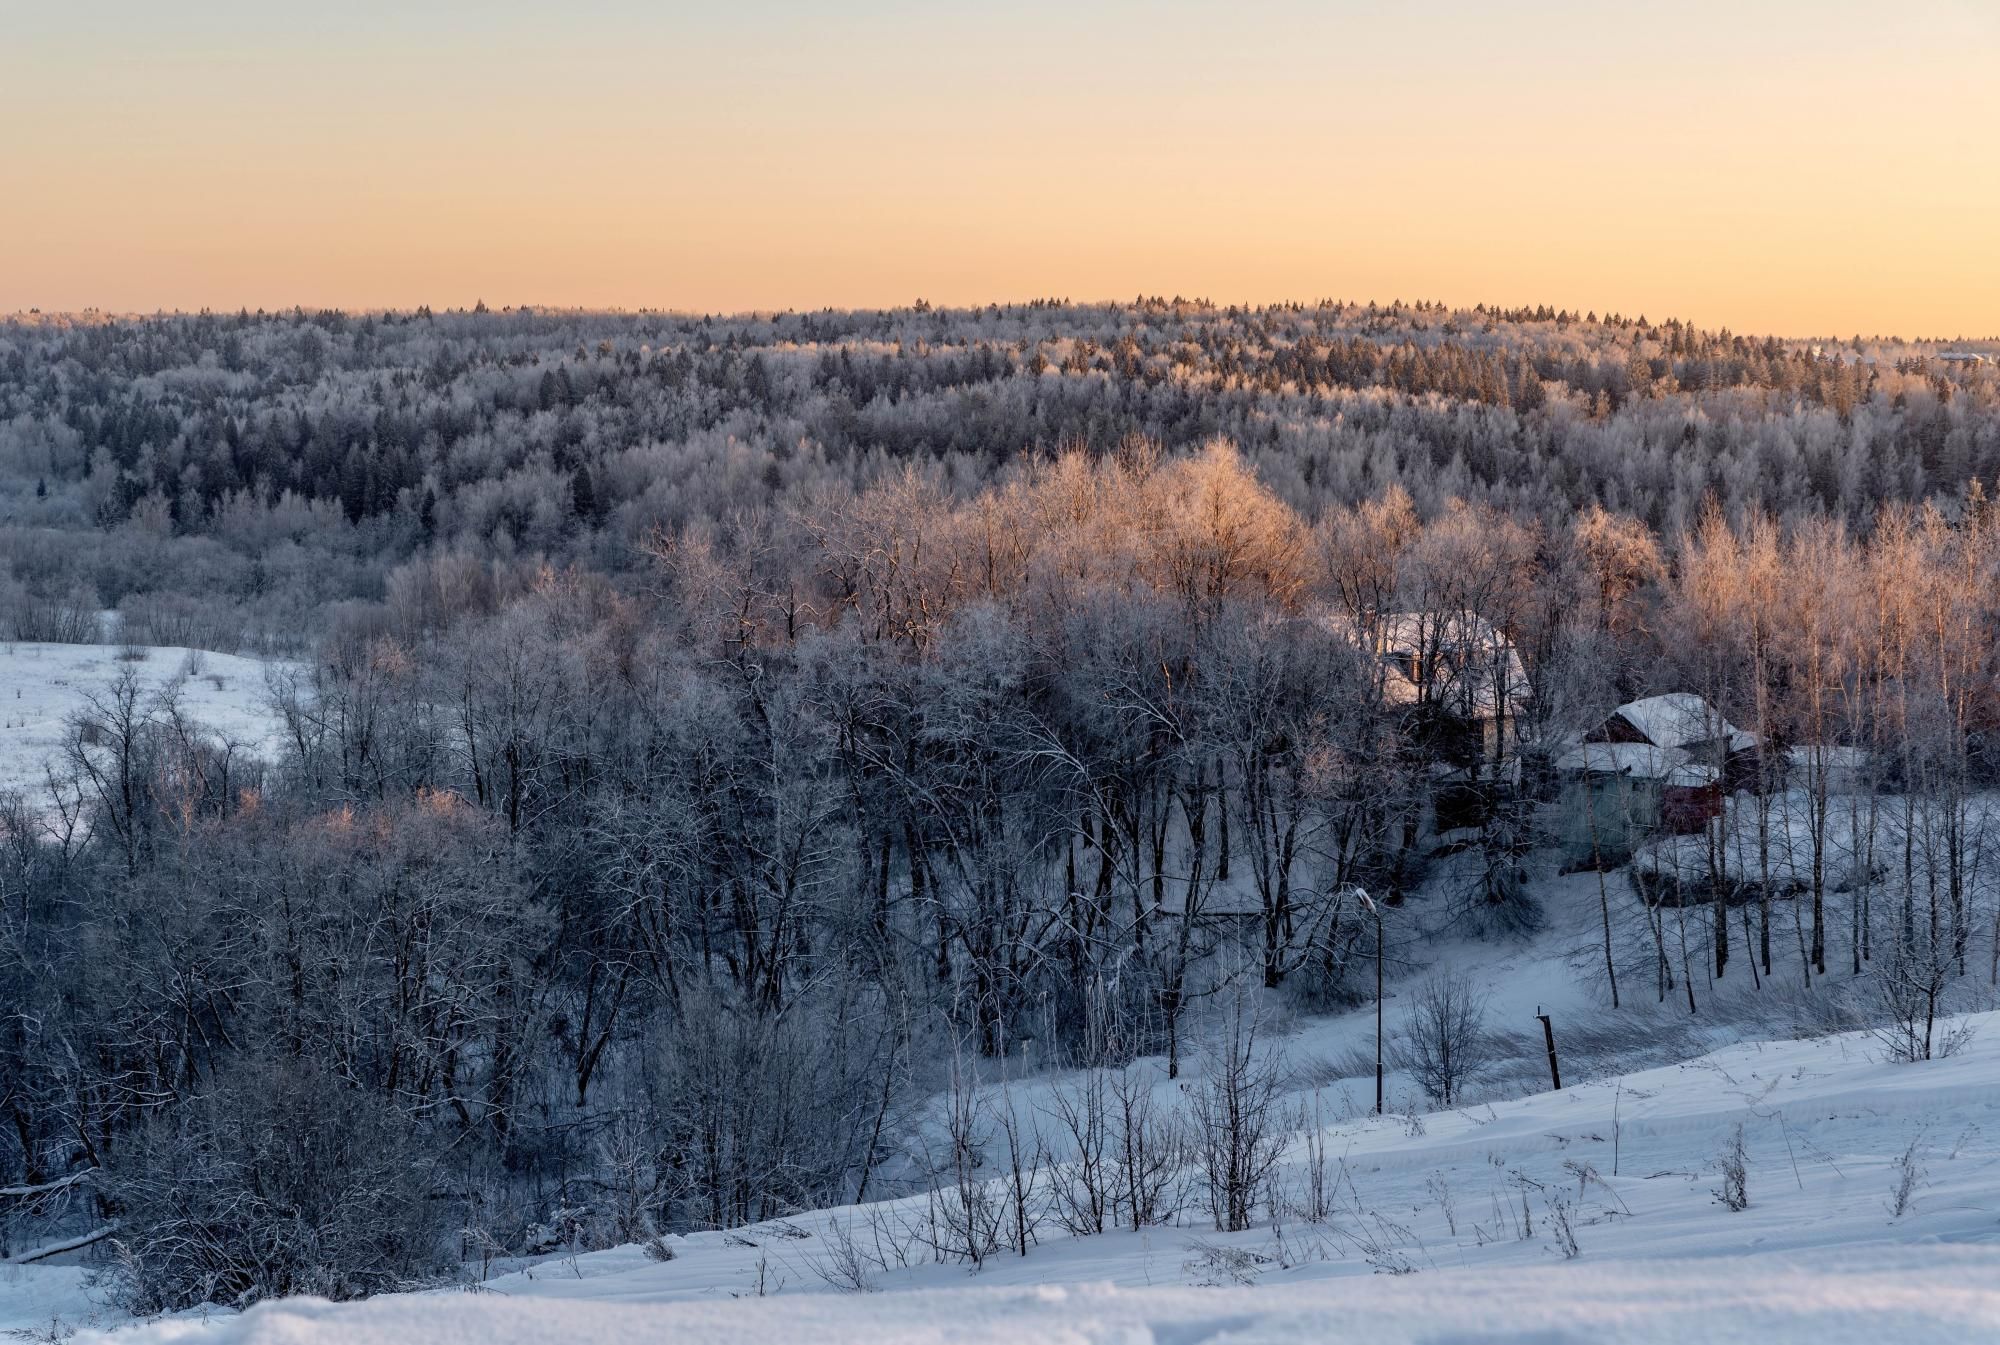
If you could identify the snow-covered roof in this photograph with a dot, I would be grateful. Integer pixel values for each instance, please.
(1828, 756)
(1641, 761)
(1679, 718)
(1472, 655)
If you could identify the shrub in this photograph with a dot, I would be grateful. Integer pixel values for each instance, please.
(281, 1180)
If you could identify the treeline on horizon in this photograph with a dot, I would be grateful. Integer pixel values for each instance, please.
(278, 464)
(700, 732)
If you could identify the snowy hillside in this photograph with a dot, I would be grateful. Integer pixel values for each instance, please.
(1598, 1213)
(41, 685)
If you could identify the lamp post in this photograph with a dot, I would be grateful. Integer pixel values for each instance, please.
(1376, 910)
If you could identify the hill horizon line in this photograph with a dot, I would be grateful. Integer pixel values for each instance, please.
(34, 316)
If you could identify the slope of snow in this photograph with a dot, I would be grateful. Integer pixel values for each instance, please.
(41, 685)
(1904, 1295)
(1446, 1227)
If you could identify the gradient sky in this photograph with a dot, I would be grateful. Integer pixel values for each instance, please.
(1800, 166)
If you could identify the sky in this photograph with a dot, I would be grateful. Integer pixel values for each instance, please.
(1804, 167)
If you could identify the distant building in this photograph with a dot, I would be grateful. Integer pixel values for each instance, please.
(1963, 357)
(1678, 720)
(1661, 765)
(1459, 676)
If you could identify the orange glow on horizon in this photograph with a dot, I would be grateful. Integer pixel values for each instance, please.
(1802, 168)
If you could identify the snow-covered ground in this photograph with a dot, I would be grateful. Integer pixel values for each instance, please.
(50, 1299)
(1895, 1296)
(1445, 1227)
(41, 685)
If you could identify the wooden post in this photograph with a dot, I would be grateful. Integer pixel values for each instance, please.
(1549, 1036)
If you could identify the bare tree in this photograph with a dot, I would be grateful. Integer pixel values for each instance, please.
(1444, 1042)
(1237, 1137)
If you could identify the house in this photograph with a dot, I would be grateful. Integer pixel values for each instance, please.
(1458, 679)
(1459, 672)
(1683, 721)
(1661, 765)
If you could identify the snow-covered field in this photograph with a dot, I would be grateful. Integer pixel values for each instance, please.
(1589, 1214)
(41, 685)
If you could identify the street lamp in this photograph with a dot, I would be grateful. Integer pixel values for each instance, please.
(1376, 910)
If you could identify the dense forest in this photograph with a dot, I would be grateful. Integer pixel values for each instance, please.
(248, 472)
(704, 733)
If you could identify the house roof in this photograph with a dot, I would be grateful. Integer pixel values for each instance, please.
(1641, 761)
(1680, 718)
(1477, 660)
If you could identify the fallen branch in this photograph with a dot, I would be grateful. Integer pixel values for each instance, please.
(47, 1250)
(46, 1188)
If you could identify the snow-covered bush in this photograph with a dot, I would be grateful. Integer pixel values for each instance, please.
(279, 1179)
